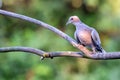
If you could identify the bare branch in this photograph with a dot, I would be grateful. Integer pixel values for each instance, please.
(99, 56)
(22, 49)
(106, 56)
(41, 53)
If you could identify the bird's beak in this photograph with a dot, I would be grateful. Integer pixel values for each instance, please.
(68, 22)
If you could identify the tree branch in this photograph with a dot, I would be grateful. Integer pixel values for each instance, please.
(99, 56)
(47, 26)
(41, 52)
(87, 54)
(22, 49)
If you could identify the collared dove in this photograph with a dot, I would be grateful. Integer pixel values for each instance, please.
(85, 35)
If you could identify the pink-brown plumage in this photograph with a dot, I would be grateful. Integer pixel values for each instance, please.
(86, 35)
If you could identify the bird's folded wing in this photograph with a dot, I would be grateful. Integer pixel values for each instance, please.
(76, 37)
(95, 37)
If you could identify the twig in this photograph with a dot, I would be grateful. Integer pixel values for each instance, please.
(22, 49)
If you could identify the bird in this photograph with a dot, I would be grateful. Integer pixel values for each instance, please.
(85, 35)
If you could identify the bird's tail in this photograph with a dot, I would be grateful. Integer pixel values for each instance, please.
(98, 47)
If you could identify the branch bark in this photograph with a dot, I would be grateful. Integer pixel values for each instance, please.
(99, 56)
(87, 54)
(41, 52)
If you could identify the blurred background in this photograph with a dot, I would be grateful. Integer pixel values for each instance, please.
(103, 15)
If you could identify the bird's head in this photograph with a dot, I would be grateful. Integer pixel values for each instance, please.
(73, 19)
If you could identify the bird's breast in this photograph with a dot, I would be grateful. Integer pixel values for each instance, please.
(85, 37)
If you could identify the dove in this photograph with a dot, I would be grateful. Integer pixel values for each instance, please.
(85, 35)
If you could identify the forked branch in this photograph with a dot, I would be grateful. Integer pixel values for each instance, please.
(87, 53)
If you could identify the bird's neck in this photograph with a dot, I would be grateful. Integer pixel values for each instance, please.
(78, 25)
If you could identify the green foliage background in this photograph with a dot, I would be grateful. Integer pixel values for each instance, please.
(104, 15)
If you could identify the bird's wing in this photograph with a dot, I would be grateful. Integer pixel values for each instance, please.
(76, 37)
(96, 41)
(95, 37)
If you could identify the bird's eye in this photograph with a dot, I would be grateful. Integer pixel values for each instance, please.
(71, 18)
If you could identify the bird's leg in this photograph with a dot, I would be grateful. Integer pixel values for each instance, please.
(93, 49)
